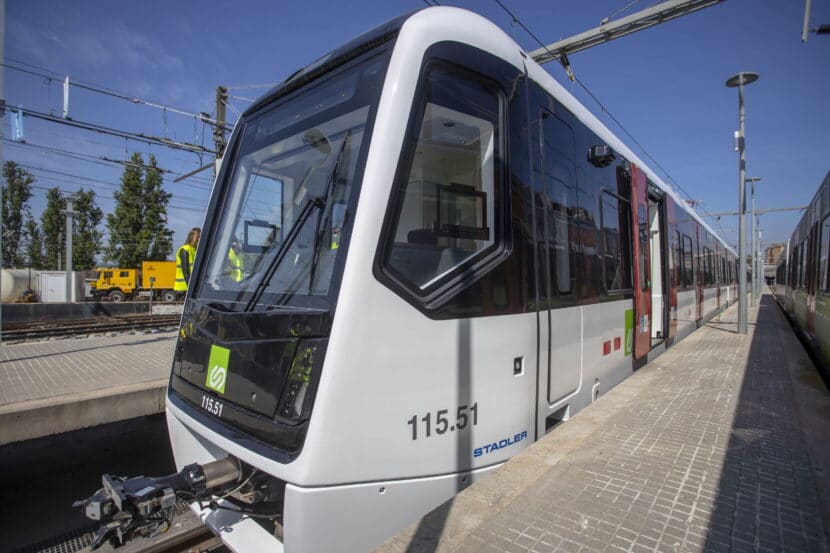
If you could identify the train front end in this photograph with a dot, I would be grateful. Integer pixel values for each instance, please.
(315, 346)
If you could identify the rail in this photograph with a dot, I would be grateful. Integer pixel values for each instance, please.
(189, 535)
(49, 329)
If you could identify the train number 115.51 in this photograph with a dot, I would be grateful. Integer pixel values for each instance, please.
(441, 423)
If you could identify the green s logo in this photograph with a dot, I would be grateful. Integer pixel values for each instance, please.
(217, 374)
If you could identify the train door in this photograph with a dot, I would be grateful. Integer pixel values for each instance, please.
(560, 317)
(659, 283)
(717, 276)
(699, 286)
(673, 269)
(812, 264)
(642, 281)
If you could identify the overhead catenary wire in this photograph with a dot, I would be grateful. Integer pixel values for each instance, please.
(251, 86)
(601, 105)
(108, 92)
(243, 98)
(232, 108)
(94, 127)
(112, 185)
(171, 205)
(112, 146)
(106, 162)
(619, 11)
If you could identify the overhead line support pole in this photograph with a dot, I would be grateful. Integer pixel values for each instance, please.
(219, 130)
(70, 214)
(806, 26)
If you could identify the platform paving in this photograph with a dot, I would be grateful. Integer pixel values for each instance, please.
(719, 445)
(61, 385)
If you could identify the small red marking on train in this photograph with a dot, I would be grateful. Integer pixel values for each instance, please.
(606, 347)
(617, 343)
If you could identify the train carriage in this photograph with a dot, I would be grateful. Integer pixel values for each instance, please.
(802, 284)
(444, 256)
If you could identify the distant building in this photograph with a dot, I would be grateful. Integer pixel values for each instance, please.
(772, 253)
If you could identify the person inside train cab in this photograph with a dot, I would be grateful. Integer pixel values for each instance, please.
(185, 256)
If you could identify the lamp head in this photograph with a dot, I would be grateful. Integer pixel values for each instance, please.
(743, 78)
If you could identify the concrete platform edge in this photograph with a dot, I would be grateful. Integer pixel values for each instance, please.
(54, 415)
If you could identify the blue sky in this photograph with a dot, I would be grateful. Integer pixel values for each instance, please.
(665, 85)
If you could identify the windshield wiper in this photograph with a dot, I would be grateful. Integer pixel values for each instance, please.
(311, 204)
(318, 235)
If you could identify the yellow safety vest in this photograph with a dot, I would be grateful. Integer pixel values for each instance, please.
(235, 263)
(181, 282)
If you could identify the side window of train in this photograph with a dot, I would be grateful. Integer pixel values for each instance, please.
(615, 214)
(643, 236)
(679, 265)
(707, 264)
(824, 244)
(560, 194)
(688, 261)
(444, 208)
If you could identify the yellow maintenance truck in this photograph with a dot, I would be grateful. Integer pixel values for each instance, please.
(155, 279)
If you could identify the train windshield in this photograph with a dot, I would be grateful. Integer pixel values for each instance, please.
(288, 198)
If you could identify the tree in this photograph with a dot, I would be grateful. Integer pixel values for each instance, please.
(17, 191)
(86, 238)
(34, 244)
(52, 223)
(160, 237)
(138, 226)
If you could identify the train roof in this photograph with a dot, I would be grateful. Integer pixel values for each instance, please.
(496, 37)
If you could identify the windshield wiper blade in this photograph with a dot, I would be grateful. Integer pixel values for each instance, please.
(326, 196)
(311, 204)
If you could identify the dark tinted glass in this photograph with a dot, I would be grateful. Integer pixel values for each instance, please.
(616, 212)
(688, 261)
(560, 199)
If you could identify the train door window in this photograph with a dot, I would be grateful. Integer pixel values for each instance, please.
(560, 191)
(795, 265)
(688, 261)
(802, 278)
(710, 266)
(615, 212)
(643, 235)
(107, 274)
(445, 208)
(824, 244)
(680, 276)
(708, 263)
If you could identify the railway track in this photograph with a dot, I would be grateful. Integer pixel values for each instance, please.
(186, 536)
(49, 329)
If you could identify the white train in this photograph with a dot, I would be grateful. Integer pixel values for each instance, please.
(420, 255)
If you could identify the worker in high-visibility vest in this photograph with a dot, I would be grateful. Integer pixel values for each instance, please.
(235, 263)
(185, 256)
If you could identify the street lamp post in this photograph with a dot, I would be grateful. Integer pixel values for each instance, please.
(754, 224)
(739, 81)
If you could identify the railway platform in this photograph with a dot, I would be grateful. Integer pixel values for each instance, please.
(722, 444)
(57, 386)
